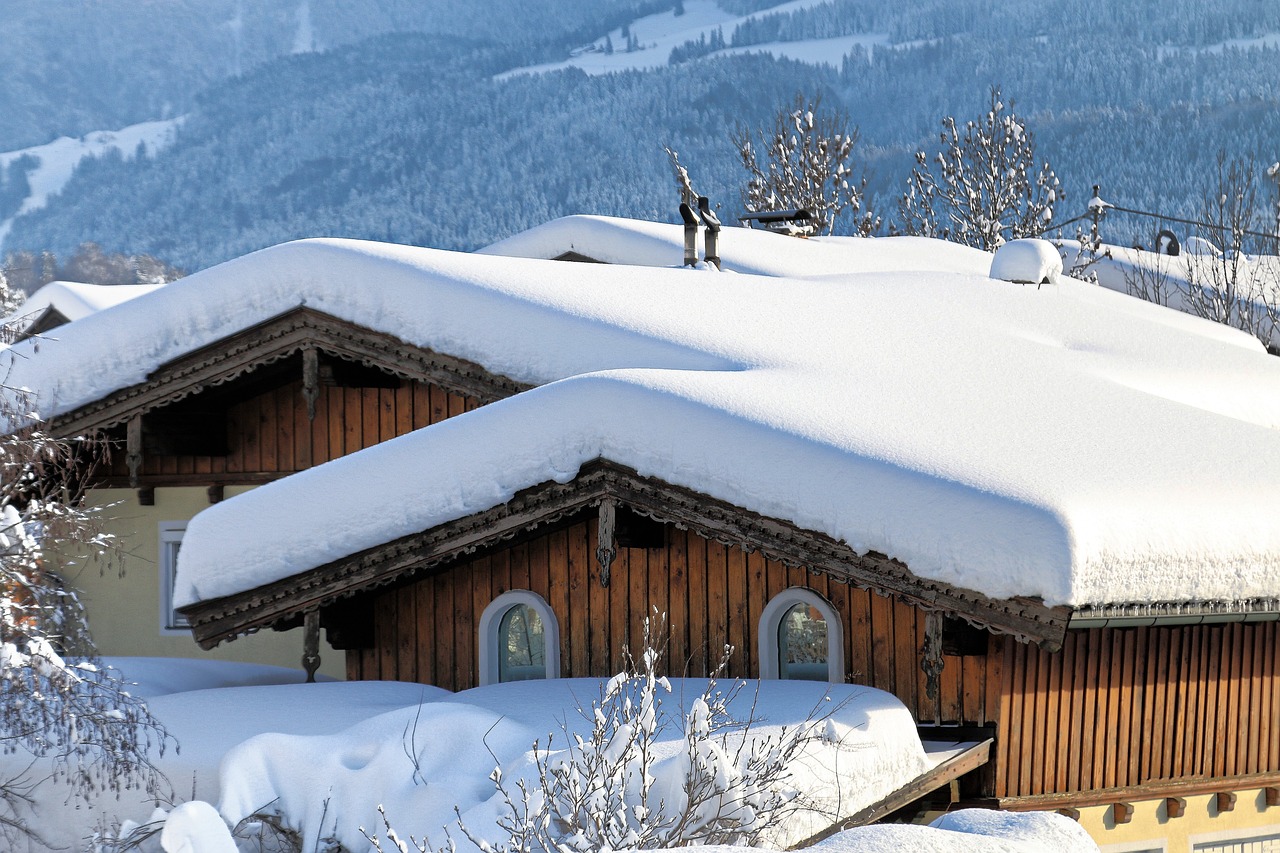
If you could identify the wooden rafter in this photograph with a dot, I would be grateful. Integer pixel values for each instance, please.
(435, 549)
(293, 332)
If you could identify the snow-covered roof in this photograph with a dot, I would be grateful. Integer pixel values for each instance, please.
(744, 250)
(1060, 441)
(74, 300)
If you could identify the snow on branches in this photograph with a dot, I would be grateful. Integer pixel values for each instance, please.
(613, 788)
(72, 717)
(983, 187)
(805, 161)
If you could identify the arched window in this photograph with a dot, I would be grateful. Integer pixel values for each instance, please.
(519, 639)
(800, 638)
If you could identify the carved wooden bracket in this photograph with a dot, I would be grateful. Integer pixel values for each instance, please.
(215, 493)
(1122, 812)
(1272, 795)
(931, 661)
(311, 379)
(607, 548)
(1175, 806)
(133, 449)
(147, 496)
(311, 644)
(1226, 801)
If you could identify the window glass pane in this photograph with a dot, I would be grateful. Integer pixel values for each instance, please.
(802, 644)
(521, 646)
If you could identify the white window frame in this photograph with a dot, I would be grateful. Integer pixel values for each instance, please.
(771, 621)
(172, 623)
(491, 620)
(1239, 835)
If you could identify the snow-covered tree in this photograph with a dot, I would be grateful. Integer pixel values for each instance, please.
(1224, 283)
(59, 706)
(805, 161)
(984, 186)
(609, 790)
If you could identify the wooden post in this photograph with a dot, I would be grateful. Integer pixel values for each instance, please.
(311, 380)
(607, 549)
(133, 449)
(932, 663)
(311, 644)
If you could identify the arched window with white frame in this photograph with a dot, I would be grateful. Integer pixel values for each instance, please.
(519, 639)
(800, 638)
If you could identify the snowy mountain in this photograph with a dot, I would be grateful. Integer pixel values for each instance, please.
(462, 129)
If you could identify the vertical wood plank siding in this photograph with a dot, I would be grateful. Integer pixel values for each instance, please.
(713, 595)
(1137, 706)
(270, 433)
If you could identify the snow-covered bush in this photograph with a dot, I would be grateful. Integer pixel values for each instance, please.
(605, 791)
(1215, 277)
(984, 186)
(805, 161)
(70, 715)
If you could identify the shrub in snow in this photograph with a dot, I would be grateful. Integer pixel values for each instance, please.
(806, 161)
(1028, 262)
(606, 790)
(983, 187)
(72, 717)
(1221, 284)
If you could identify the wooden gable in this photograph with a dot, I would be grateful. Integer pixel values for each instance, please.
(598, 484)
(287, 394)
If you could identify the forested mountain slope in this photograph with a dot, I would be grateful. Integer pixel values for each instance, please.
(410, 137)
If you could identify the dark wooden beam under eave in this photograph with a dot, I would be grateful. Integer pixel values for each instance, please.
(274, 340)
(547, 503)
(966, 758)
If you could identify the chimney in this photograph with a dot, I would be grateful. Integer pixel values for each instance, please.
(713, 230)
(690, 234)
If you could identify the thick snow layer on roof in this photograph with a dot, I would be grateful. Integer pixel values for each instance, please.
(1165, 279)
(73, 299)
(745, 250)
(1065, 442)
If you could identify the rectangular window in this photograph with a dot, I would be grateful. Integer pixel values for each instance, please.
(171, 621)
(1261, 840)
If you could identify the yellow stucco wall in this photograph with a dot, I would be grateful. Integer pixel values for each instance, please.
(124, 610)
(1152, 829)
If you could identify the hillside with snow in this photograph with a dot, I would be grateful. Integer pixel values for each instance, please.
(454, 130)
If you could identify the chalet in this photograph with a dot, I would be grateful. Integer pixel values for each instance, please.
(60, 302)
(1040, 515)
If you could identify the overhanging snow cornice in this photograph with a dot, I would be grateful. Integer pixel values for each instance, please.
(272, 341)
(225, 618)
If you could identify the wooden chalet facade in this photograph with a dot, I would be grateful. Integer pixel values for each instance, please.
(1099, 710)
(1081, 717)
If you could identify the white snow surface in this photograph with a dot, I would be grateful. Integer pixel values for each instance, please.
(656, 35)
(1258, 277)
(975, 830)
(1027, 262)
(74, 299)
(59, 158)
(150, 677)
(745, 250)
(1065, 442)
(334, 784)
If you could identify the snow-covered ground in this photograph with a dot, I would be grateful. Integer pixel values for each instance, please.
(59, 158)
(326, 756)
(656, 35)
(1266, 41)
